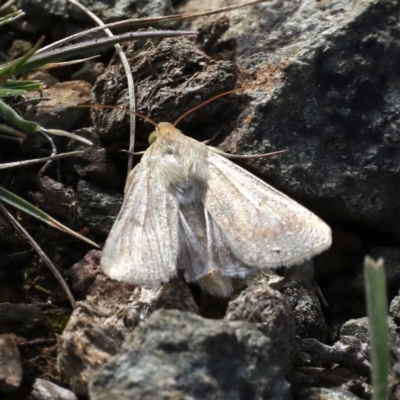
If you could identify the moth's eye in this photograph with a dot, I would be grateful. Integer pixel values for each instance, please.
(153, 136)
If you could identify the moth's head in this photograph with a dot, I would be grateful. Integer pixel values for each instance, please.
(163, 129)
(153, 136)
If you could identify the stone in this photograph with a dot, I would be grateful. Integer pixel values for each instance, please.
(178, 355)
(45, 390)
(10, 364)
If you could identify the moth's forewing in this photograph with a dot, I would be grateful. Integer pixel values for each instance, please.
(264, 228)
(142, 246)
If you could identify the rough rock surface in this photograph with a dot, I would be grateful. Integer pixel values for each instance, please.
(327, 394)
(95, 332)
(10, 364)
(46, 390)
(331, 99)
(271, 313)
(177, 355)
(98, 328)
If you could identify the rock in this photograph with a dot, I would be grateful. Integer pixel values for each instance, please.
(311, 378)
(271, 313)
(391, 256)
(43, 76)
(394, 309)
(18, 313)
(360, 328)
(155, 65)
(341, 258)
(395, 370)
(356, 285)
(302, 295)
(330, 97)
(174, 295)
(96, 166)
(327, 394)
(10, 364)
(121, 9)
(46, 390)
(87, 279)
(89, 72)
(177, 355)
(97, 207)
(98, 327)
(59, 112)
(95, 332)
(19, 48)
(38, 8)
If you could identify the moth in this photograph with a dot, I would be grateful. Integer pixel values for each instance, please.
(190, 211)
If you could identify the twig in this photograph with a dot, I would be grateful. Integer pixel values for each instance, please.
(39, 160)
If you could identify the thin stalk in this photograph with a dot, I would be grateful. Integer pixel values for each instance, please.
(377, 306)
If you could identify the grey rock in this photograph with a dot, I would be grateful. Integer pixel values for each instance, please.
(17, 313)
(171, 75)
(331, 98)
(394, 309)
(360, 328)
(391, 256)
(51, 8)
(97, 207)
(89, 72)
(96, 166)
(46, 390)
(272, 315)
(174, 295)
(60, 111)
(115, 10)
(154, 8)
(99, 326)
(327, 394)
(87, 278)
(310, 377)
(302, 295)
(10, 363)
(178, 355)
(106, 10)
(95, 332)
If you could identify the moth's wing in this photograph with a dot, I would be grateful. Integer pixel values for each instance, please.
(142, 246)
(204, 254)
(228, 263)
(264, 228)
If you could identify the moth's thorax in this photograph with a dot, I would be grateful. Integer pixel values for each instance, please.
(180, 163)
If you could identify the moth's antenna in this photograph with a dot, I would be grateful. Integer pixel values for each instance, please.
(214, 98)
(99, 106)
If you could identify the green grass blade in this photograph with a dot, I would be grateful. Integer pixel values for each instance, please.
(11, 17)
(13, 118)
(15, 65)
(12, 92)
(377, 306)
(28, 85)
(28, 208)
